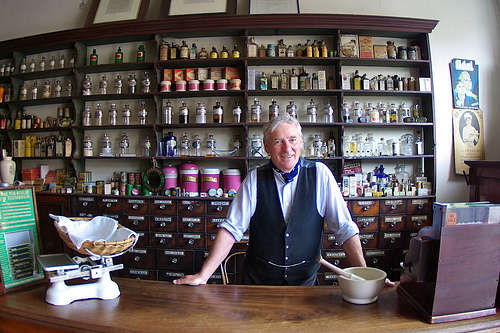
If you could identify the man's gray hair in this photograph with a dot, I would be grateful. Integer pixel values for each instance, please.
(284, 118)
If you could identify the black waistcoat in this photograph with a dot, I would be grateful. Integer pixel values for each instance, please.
(274, 243)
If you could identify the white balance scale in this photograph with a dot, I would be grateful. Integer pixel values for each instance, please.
(61, 267)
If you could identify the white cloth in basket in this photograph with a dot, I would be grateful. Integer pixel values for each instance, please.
(99, 229)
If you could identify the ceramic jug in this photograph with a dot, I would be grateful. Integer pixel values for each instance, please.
(8, 169)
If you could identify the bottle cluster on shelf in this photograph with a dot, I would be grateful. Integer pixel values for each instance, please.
(118, 56)
(169, 146)
(107, 147)
(315, 49)
(311, 112)
(381, 113)
(48, 89)
(196, 79)
(290, 80)
(384, 83)
(31, 64)
(371, 47)
(118, 88)
(185, 116)
(364, 145)
(43, 146)
(63, 119)
(377, 183)
(98, 118)
(174, 51)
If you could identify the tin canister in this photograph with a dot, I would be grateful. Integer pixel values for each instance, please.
(189, 179)
(170, 173)
(231, 180)
(209, 179)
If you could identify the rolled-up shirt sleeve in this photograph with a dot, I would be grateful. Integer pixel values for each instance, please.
(242, 207)
(332, 206)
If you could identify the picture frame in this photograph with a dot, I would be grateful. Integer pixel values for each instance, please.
(273, 7)
(190, 7)
(108, 11)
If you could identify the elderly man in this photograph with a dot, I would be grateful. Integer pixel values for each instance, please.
(284, 204)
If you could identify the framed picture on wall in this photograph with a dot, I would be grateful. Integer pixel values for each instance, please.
(107, 11)
(193, 7)
(273, 7)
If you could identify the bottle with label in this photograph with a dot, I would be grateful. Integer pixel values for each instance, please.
(389, 83)
(126, 114)
(214, 54)
(119, 56)
(59, 146)
(98, 115)
(391, 50)
(218, 113)
(142, 114)
(193, 51)
(294, 80)
(184, 50)
(281, 48)
(315, 49)
(118, 84)
(236, 52)
(103, 85)
(183, 113)
(291, 109)
(274, 81)
(164, 50)
(324, 49)
(309, 49)
(211, 146)
(237, 114)
(141, 53)
(87, 116)
(46, 89)
(52, 62)
(252, 48)
(61, 61)
(283, 80)
(41, 65)
(34, 90)
(274, 109)
(112, 114)
(173, 51)
(185, 145)
(57, 89)
(419, 145)
(302, 79)
(331, 145)
(131, 82)
(22, 66)
(255, 111)
(263, 82)
(356, 81)
(290, 53)
(203, 54)
(146, 84)
(224, 54)
(171, 145)
(262, 51)
(300, 50)
(312, 112)
(32, 65)
(393, 112)
(147, 147)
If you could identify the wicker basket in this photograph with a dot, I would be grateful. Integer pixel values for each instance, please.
(99, 248)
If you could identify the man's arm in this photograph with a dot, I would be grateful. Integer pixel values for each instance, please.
(354, 252)
(222, 245)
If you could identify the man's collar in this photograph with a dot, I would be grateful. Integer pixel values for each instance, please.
(288, 177)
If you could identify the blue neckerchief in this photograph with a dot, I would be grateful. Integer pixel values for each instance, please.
(288, 176)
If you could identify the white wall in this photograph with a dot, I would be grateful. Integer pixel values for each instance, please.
(467, 29)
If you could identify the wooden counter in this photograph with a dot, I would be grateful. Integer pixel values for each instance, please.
(154, 306)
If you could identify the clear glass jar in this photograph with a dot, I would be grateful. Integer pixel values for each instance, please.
(196, 146)
(107, 146)
(124, 144)
(312, 112)
(256, 111)
(103, 85)
(112, 113)
(98, 115)
(237, 114)
(256, 146)
(86, 85)
(274, 109)
(218, 113)
(346, 113)
(88, 150)
(291, 109)
(201, 114)
(143, 114)
(126, 115)
(167, 112)
(147, 147)
(87, 116)
(317, 143)
(185, 145)
(183, 114)
(211, 145)
(329, 114)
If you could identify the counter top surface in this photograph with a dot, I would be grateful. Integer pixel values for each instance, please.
(155, 306)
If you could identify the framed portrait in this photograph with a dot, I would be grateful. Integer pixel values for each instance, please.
(468, 137)
(107, 11)
(465, 83)
(193, 7)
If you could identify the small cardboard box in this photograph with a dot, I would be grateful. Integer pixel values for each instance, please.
(190, 74)
(231, 73)
(179, 74)
(167, 74)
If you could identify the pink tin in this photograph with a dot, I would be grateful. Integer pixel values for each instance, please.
(180, 85)
(189, 179)
(222, 84)
(165, 86)
(193, 85)
(231, 179)
(209, 179)
(208, 84)
(170, 173)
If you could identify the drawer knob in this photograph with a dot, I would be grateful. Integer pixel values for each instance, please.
(418, 224)
(136, 222)
(365, 208)
(189, 207)
(392, 240)
(162, 206)
(364, 241)
(163, 241)
(190, 224)
(137, 258)
(163, 224)
(135, 206)
(335, 283)
(420, 207)
(219, 208)
(392, 224)
(108, 205)
(174, 260)
(336, 262)
(366, 224)
(85, 204)
(393, 207)
(374, 261)
(191, 242)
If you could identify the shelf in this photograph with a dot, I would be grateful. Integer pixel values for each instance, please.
(387, 124)
(289, 92)
(201, 93)
(44, 158)
(430, 196)
(199, 158)
(38, 130)
(43, 101)
(302, 123)
(290, 61)
(189, 63)
(383, 62)
(108, 97)
(385, 93)
(115, 127)
(207, 125)
(50, 73)
(116, 158)
(132, 66)
(399, 157)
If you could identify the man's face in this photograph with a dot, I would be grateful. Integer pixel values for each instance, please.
(284, 145)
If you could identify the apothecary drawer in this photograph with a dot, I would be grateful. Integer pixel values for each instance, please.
(365, 207)
(163, 207)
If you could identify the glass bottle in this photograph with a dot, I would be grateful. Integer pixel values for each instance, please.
(274, 109)
(32, 65)
(167, 113)
(57, 89)
(22, 66)
(118, 84)
(34, 91)
(419, 145)
(237, 114)
(93, 58)
(46, 89)
(329, 114)
(87, 116)
(103, 85)
(88, 150)
(211, 145)
(331, 145)
(255, 111)
(184, 50)
(393, 111)
(218, 113)
(236, 52)
(23, 92)
(358, 113)
(164, 50)
(300, 50)
(124, 144)
(203, 54)
(141, 53)
(317, 143)
(291, 109)
(185, 145)
(281, 48)
(324, 50)
(383, 114)
(41, 65)
(256, 146)
(193, 51)
(315, 49)
(52, 63)
(290, 53)
(201, 114)
(119, 56)
(143, 114)
(132, 82)
(59, 147)
(98, 115)
(356, 81)
(294, 80)
(346, 113)
(86, 85)
(68, 90)
(214, 54)
(309, 49)
(174, 51)
(302, 79)
(183, 113)
(171, 145)
(196, 146)
(224, 53)
(274, 81)
(107, 146)
(112, 114)
(284, 84)
(391, 50)
(146, 84)
(147, 147)
(126, 114)
(263, 82)
(251, 48)
(61, 61)
(405, 114)
(312, 112)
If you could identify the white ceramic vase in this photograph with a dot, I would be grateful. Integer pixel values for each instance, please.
(8, 170)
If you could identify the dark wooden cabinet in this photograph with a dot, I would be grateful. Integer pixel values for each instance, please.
(50, 204)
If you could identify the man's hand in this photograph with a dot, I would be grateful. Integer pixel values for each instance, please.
(192, 280)
(389, 283)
